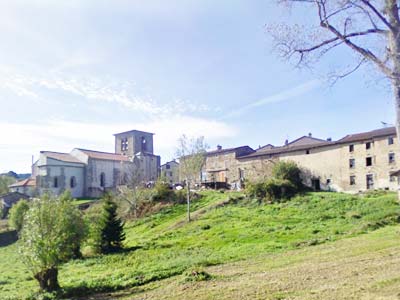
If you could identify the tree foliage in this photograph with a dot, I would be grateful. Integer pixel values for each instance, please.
(5, 181)
(111, 227)
(17, 213)
(52, 231)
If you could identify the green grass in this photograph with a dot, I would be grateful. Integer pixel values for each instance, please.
(164, 245)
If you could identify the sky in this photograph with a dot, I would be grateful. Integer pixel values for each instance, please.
(73, 73)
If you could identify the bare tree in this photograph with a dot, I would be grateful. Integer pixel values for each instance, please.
(369, 28)
(191, 154)
(130, 186)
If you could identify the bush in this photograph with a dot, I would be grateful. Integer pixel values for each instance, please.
(284, 184)
(288, 170)
(162, 192)
(17, 213)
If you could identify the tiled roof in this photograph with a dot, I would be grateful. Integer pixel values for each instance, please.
(132, 131)
(104, 155)
(229, 150)
(368, 135)
(66, 157)
(305, 140)
(25, 182)
(317, 143)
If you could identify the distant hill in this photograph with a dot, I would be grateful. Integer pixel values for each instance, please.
(16, 175)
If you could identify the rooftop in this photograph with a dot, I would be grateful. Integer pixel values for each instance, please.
(104, 155)
(66, 157)
(133, 131)
(24, 183)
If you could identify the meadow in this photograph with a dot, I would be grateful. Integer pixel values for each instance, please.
(226, 228)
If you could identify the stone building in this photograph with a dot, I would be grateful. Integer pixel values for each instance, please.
(356, 162)
(89, 173)
(222, 167)
(170, 171)
(26, 187)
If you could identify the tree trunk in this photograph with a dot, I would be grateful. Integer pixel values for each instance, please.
(48, 279)
(396, 90)
(188, 199)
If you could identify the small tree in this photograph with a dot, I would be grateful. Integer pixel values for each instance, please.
(52, 230)
(192, 155)
(17, 213)
(5, 181)
(112, 227)
(288, 170)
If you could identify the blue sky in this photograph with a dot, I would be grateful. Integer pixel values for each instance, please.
(72, 73)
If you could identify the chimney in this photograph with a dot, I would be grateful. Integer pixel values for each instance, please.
(310, 134)
(286, 142)
(329, 139)
(219, 147)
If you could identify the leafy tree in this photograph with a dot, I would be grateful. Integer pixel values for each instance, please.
(112, 227)
(52, 230)
(369, 30)
(17, 213)
(5, 181)
(192, 155)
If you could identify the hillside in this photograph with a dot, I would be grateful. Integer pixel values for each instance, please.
(245, 246)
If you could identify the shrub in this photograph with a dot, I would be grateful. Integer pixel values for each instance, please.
(288, 170)
(17, 213)
(162, 192)
(277, 189)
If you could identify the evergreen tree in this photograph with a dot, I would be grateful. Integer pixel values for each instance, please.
(112, 227)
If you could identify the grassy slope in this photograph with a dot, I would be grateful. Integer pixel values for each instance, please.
(166, 246)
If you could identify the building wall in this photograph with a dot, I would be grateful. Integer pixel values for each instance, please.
(149, 167)
(63, 171)
(172, 173)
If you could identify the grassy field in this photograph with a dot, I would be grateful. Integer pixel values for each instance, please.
(226, 228)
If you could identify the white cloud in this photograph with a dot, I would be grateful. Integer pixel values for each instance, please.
(25, 140)
(279, 97)
(121, 93)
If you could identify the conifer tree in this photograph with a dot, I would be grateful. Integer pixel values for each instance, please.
(112, 227)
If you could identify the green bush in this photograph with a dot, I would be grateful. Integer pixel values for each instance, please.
(288, 170)
(162, 192)
(278, 189)
(17, 213)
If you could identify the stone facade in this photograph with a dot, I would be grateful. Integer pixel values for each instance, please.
(170, 171)
(357, 162)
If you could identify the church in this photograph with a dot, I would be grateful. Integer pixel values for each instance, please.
(90, 173)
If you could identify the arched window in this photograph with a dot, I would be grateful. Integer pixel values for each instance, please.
(102, 179)
(144, 144)
(55, 182)
(72, 182)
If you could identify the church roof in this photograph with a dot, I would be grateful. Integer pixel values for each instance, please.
(66, 157)
(134, 131)
(104, 155)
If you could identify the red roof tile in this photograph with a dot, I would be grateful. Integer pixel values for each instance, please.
(25, 182)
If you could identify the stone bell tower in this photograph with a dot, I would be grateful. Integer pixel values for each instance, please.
(133, 142)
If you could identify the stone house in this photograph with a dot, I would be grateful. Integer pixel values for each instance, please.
(222, 167)
(25, 186)
(89, 173)
(170, 171)
(356, 162)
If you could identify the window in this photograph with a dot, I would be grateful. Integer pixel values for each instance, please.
(368, 161)
(102, 180)
(352, 180)
(55, 182)
(72, 182)
(391, 158)
(370, 181)
(144, 144)
(307, 151)
(368, 145)
(351, 148)
(328, 181)
(167, 167)
(390, 140)
(392, 178)
(124, 144)
(170, 174)
(352, 163)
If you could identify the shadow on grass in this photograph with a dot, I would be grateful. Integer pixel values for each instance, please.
(8, 238)
(84, 290)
